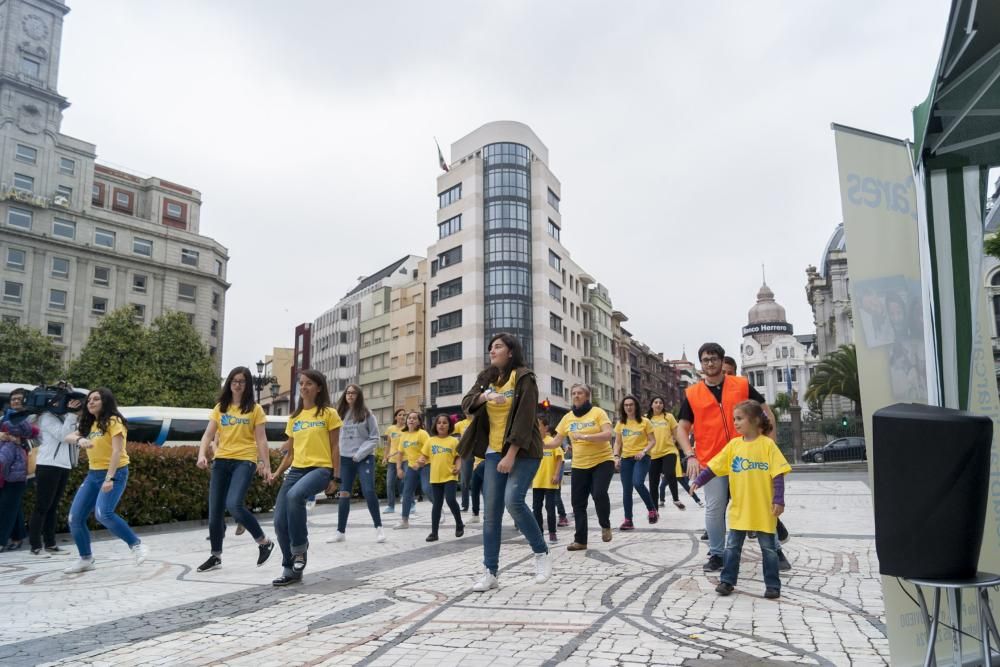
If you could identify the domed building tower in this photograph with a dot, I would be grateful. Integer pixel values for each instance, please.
(766, 318)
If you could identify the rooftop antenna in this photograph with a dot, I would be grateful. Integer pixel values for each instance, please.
(763, 276)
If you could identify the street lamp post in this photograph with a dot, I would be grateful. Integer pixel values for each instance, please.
(260, 380)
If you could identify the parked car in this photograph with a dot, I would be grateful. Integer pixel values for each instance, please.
(841, 449)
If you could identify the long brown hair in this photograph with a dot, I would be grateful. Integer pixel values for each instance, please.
(322, 396)
(359, 412)
(500, 376)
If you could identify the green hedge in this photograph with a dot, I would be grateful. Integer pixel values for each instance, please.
(165, 485)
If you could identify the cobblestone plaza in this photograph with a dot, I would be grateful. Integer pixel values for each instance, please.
(640, 599)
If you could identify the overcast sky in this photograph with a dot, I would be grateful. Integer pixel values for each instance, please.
(692, 139)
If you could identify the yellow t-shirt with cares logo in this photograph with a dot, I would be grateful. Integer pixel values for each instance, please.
(310, 434)
(664, 425)
(440, 454)
(498, 413)
(634, 436)
(551, 458)
(751, 466)
(236, 432)
(99, 455)
(586, 454)
(393, 433)
(412, 444)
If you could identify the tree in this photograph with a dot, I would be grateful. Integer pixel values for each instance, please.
(27, 356)
(991, 246)
(164, 365)
(781, 404)
(836, 375)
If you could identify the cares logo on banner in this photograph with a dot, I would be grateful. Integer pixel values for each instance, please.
(741, 464)
(895, 196)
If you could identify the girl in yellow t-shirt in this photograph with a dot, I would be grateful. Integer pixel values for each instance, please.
(312, 454)
(634, 440)
(393, 485)
(756, 471)
(545, 486)
(588, 430)
(440, 455)
(102, 431)
(663, 458)
(409, 469)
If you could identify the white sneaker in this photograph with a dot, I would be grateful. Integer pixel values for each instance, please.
(474, 518)
(337, 537)
(379, 535)
(486, 582)
(139, 552)
(402, 525)
(543, 567)
(81, 565)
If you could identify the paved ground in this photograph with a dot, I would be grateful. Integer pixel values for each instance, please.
(640, 599)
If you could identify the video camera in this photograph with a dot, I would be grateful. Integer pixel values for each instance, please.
(52, 398)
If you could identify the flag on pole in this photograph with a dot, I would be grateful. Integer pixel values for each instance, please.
(441, 162)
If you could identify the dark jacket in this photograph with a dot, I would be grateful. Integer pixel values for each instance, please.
(522, 427)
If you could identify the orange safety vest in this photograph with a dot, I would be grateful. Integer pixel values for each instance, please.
(713, 421)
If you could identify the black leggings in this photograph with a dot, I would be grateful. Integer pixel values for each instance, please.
(593, 482)
(50, 485)
(443, 492)
(548, 498)
(666, 466)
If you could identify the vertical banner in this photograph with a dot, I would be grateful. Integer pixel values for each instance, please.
(879, 202)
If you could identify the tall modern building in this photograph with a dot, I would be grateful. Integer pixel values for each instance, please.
(499, 265)
(80, 238)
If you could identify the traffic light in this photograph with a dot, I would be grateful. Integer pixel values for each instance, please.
(544, 405)
(843, 421)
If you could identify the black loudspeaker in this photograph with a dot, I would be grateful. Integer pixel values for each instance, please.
(931, 471)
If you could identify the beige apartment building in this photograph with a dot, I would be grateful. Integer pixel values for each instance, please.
(81, 239)
(407, 357)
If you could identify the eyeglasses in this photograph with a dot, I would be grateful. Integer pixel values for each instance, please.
(350, 393)
(710, 360)
(238, 382)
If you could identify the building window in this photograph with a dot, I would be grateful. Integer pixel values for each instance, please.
(16, 259)
(139, 312)
(102, 276)
(450, 226)
(555, 322)
(449, 289)
(792, 373)
(31, 67)
(60, 267)
(65, 191)
(215, 300)
(446, 353)
(12, 319)
(557, 386)
(12, 291)
(174, 210)
(97, 194)
(24, 183)
(99, 305)
(434, 267)
(345, 313)
(57, 299)
(449, 257)
(218, 267)
(450, 196)
(67, 167)
(343, 361)
(555, 261)
(555, 291)
(139, 283)
(190, 318)
(553, 229)
(64, 229)
(187, 292)
(556, 354)
(553, 202)
(189, 257)
(122, 201)
(449, 386)
(451, 320)
(213, 329)
(342, 337)
(54, 330)
(104, 238)
(142, 247)
(25, 154)
(777, 373)
(18, 217)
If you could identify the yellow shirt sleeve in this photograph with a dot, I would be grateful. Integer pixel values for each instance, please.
(561, 427)
(618, 430)
(115, 427)
(333, 421)
(557, 454)
(425, 449)
(288, 427)
(601, 418)
(216, 415)
(258, 416)
(720, 462)
(647, 426)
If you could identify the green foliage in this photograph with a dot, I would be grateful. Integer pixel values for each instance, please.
(166, 364)
(781, 404)
(836, 375)
(992, 246)
(27, 355)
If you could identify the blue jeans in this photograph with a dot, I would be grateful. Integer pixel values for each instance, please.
(465, 479)
(89, 498)
(227, 491)
(633, 474)
(365, 472)
(508, 490)
(477, 486)
(290, 509)
(393, 485)
(413, 477)
(716, 494)
(769, 555)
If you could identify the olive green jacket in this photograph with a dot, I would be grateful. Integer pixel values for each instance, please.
(522, 426)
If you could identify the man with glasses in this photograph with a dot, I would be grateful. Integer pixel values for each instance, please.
(707, 410)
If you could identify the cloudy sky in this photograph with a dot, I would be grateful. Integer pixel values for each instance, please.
(692, 139)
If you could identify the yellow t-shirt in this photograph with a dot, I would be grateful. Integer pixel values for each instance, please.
(664, 425)
(460, 427)
(441, 453)
(100, 454)
(412, 445)
(236, 439)
(586, 454)
(310, 434)
(551, 458)
(750, 467)
(393, 433)
(634, 436)
(498, 413)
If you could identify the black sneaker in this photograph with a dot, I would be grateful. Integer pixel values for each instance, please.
(212, 563)
(299, 562)
(714, 564)
(56, 550)
(459, 530)
(783, 564)
(433, 537)
(704, 536)
(264, 552)
(772, 593)
(285, 581)
(723, 588)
